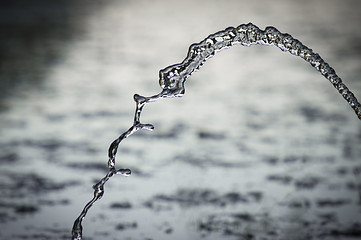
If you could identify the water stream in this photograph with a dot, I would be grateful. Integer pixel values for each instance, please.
(172, 81)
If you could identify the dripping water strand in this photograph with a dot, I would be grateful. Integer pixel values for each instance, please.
(172, 80)
(99, 187)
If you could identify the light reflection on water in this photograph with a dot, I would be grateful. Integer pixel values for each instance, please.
(301, 156)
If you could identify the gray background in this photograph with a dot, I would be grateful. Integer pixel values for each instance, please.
(260, 147)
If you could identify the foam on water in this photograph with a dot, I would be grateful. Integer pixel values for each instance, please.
(172, 80)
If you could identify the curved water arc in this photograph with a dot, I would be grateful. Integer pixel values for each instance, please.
(174, 77)
(172, 81)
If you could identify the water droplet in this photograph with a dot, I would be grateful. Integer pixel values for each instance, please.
(125, 172)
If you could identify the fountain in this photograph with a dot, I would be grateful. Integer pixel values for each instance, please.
(172, 81)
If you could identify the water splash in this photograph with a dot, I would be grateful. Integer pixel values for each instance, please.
(173, 78)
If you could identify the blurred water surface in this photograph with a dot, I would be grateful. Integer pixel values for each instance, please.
(260, 147)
